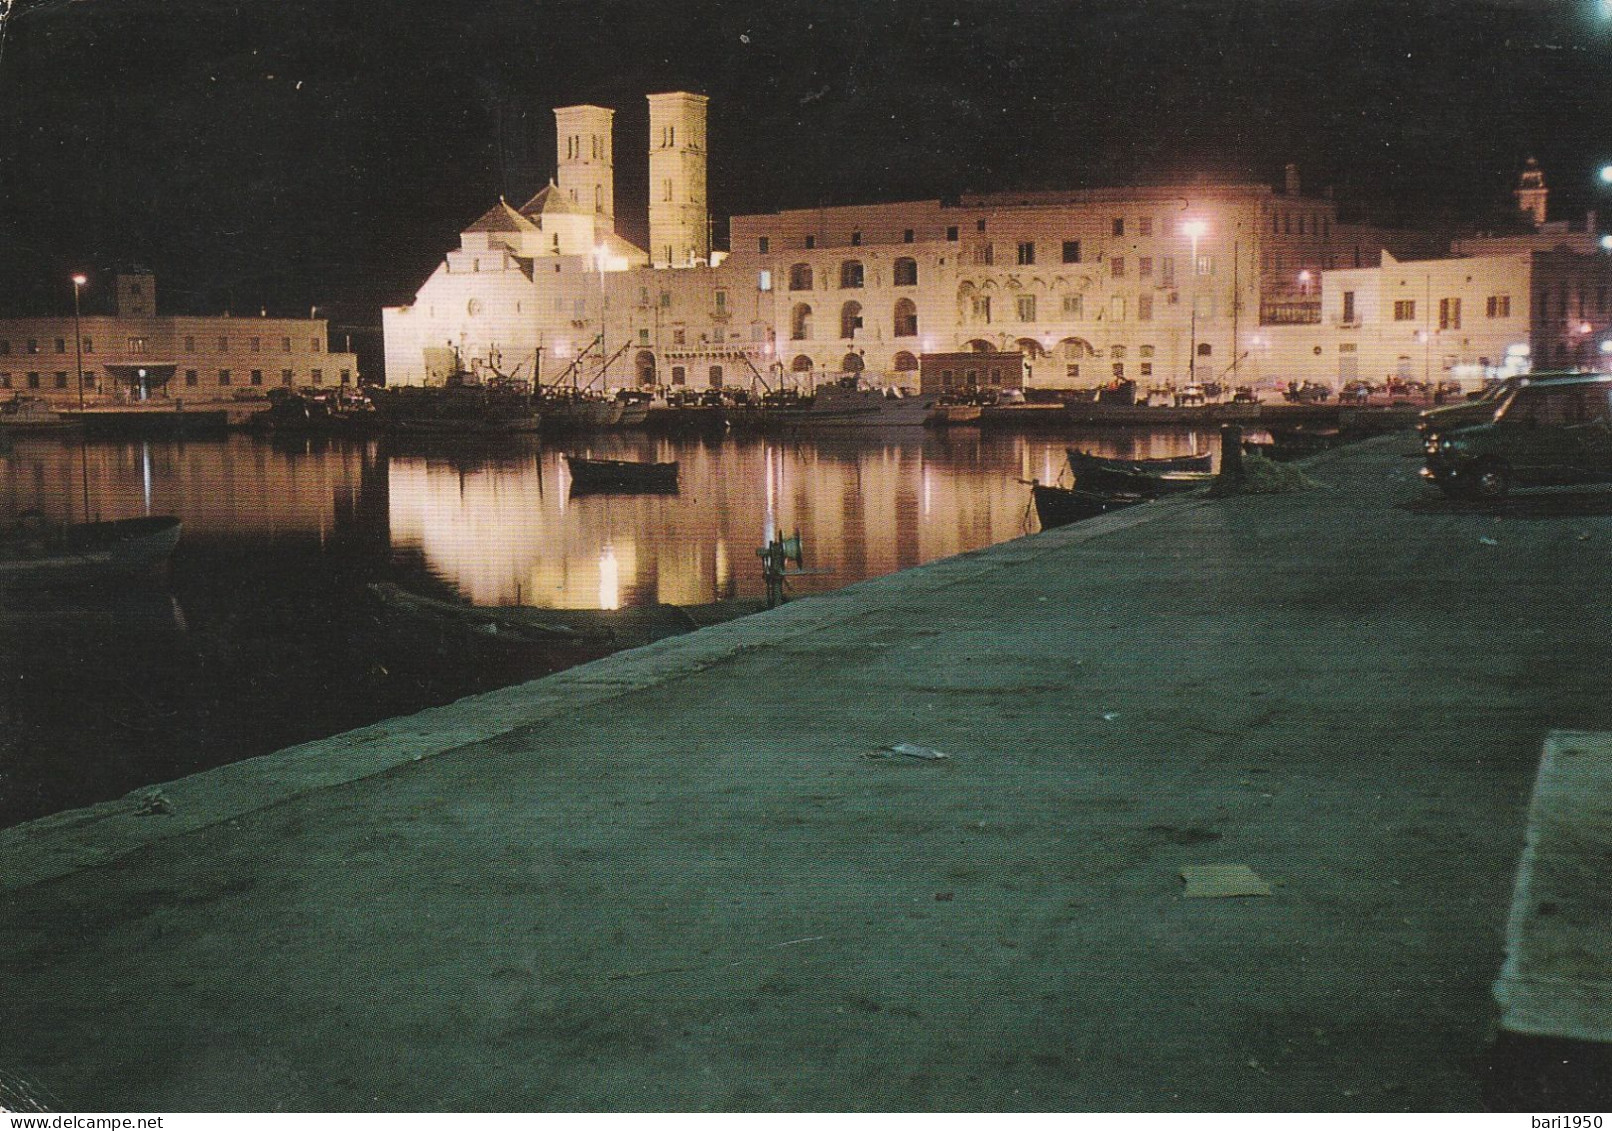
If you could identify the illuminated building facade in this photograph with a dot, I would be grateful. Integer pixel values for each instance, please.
(136, 354)
(1163, 285)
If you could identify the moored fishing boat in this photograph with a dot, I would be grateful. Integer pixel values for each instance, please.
(605, 475)
(36, 554)
(1060, 506)
(1197, 461)
(1150, 484)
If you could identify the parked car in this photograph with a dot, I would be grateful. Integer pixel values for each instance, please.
(1552, 430)
(1481, 405)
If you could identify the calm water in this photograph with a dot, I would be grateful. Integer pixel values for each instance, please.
(263, 634)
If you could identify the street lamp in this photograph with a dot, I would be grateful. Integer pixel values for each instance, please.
(78, 338)
(1193, 229)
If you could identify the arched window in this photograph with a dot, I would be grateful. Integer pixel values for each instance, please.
(1205, 349)
(715, 376)
(905, 362)
(906, 318)
(800, 277)
(645, 365)
(850, 319)
(1031, 348)
(851, 363)
(905, 272)
(980, 345)
(800, 322)
(851, 273)
(801, 364)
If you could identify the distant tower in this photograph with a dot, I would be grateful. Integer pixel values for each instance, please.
(1290, 179)
(586, 167)
(679, 235)
(136, 294)
(1531, 193)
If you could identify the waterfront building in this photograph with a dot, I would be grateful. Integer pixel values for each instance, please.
(136, 354)
(1163, 285)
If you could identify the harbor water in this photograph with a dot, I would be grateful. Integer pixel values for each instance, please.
(262, 631)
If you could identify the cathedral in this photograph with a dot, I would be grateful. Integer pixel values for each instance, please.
(1164, 285)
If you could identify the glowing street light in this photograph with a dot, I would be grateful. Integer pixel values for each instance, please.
(1606, 174)
(78, 337)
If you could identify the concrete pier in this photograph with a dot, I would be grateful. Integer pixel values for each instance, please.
(693, 876)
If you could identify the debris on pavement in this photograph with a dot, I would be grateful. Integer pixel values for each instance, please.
(152, 803)
(1222, 881)
(911, 750)
(1488, 541)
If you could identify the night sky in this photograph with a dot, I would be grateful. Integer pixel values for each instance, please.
(297, 152)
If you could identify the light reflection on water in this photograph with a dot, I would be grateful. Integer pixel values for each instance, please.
(498, 524)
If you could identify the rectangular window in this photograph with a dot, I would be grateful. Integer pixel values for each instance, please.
(5, 347)
(1146, 351)
(1144, 267)
(1405, 310)
(33, 345)
(223, 377)
(1072, 370)
(89, 345)
(1116, 351)
(907, 236)
(223, 345)
(5, 380)
(1119, 225)
(721, 300)
(1206, 265)
(61, 345)
(257, 376)
(255, 344)
(315, 344)
(985, 254)
(191, 379)
(811, 242)
(1027, 253)
(764, 281)
(679, 337)
(1167, 271)
(1074, 306)
(1144, 308)
(33, 380)
(982, 308)
(136, 345)
(1116, 308)
(286, 377)
(763, 245)
(1349, 307)
(951, 234)
(856, 239)
(1071, 251)
(61, 379)
(643, 337)
(1026, 305)
(1119, 371)
(318, 376)
(1499, 306)
(285, 345)
(1116, 267)
(1144, 226)
(1147, 369)
(979, 225)
(679, 375)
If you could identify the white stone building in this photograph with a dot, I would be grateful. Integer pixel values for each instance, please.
(1239, 284)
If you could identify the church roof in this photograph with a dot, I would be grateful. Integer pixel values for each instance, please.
(501, 218)
(551, 201)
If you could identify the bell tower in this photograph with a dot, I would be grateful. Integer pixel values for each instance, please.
(1531, 193)
(679, 235)
(585, 162)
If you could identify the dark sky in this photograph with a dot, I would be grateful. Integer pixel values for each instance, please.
(292, 152)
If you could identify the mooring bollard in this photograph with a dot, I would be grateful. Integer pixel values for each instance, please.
(1231, 451)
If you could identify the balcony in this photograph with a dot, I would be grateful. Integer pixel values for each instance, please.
(1297, 313)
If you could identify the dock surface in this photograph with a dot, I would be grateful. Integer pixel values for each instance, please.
(694, 876)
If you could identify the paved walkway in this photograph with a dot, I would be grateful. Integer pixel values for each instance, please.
(674, 879)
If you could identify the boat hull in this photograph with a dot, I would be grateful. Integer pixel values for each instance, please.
(602, 476)
(1060, 506)
(88, 553)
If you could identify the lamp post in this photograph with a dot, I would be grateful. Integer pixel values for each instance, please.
(78, 338)
(1193, 229)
